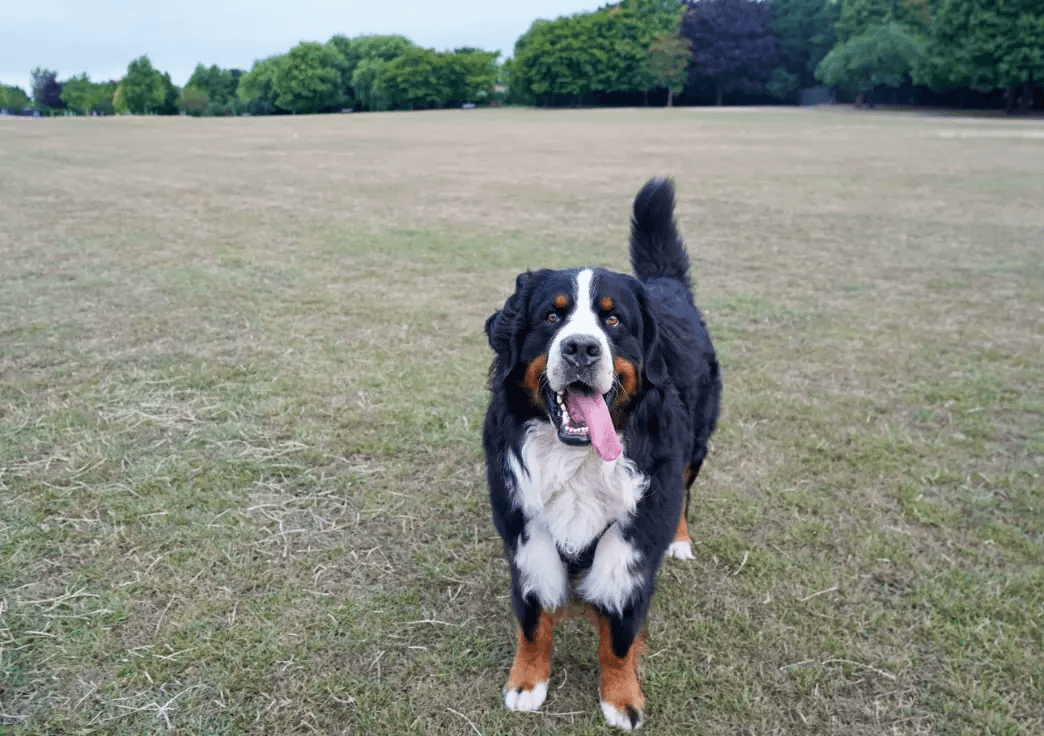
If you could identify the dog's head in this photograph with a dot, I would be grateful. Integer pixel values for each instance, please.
(580, 345)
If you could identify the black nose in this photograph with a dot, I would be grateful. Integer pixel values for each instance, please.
(581, 351)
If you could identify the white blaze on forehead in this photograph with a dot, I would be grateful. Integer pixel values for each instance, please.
(584, 321)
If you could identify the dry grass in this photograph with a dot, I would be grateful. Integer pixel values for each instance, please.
(241, 379)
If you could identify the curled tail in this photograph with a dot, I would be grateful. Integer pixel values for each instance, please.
(657, 251)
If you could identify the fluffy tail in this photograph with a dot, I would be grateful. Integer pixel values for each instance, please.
(657, 251)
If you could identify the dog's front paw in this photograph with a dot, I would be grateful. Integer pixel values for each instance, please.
(629, 717)
(525, 698)
(681, 549)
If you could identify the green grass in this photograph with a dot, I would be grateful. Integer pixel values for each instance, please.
(242, 378)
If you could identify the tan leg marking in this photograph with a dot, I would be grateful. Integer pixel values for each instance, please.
(681, 547)
(681, 533)
(623, 701)
(526, 687)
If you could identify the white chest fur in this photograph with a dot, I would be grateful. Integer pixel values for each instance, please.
(570, 491)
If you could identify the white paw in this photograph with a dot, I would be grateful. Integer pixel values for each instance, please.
(682, 550)
(527, 700)
(629, 719)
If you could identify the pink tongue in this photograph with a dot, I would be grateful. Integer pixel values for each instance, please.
(592, 411)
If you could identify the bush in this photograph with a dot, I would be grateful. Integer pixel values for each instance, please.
(194, 101)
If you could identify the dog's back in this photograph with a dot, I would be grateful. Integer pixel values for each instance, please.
(661, 263)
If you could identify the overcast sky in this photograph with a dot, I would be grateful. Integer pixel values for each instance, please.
(101, 37)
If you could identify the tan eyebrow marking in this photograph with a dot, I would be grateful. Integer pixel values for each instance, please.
(606, 303)
(561, 301)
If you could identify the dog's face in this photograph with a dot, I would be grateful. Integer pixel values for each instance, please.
(580, 343)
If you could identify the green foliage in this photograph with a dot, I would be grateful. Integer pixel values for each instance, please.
(602, 51)
(668, 63)
(220, 86)
(363, 78)
(194, 101)
(805, 29)
(362, 49)
(381, 47)
(984, 44)
(883, 54)
(782, 84)
(146, 91)
(308, 79)
(77, 93)
(83, 97)
(166, 95)
(372, 72)
(14, 98)
(423, 78)
(858, 17)
(480, 71)
(256, 88)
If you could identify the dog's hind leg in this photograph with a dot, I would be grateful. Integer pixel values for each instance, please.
(681, 547)
(526, 687)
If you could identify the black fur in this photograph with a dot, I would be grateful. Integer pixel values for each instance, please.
(667, 422)
(657, 251)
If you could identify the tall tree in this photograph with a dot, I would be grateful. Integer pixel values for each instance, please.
(366, 56)
(165, 94)
(602, 51)
(308, 79)
(78, 93)
(14, 98)
(356, 50)
(364, 79)
(47, 90)
(669, 58)
(146, 91)
(856, 17)
(805, 29)
(423, 78)
(220, 86)
(732, 45)
(256, 88)
(881, 55)
(985, 45)
(84, 97)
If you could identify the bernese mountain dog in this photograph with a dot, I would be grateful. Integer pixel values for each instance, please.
(605, 392)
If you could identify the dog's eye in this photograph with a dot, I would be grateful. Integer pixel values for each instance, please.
(612, 320)
(552, 317)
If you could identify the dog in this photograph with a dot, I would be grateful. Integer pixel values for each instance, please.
(605, 390)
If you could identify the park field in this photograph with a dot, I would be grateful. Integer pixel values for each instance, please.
(242, 380)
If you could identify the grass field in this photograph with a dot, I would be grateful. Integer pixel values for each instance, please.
(242, 378)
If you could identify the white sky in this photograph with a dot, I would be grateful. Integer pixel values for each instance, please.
(101, 37)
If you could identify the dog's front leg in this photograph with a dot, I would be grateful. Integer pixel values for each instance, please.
(619, 649)
(526, 687)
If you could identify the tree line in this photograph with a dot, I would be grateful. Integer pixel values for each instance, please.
(621, 52)
(362, 73)
(775, 48)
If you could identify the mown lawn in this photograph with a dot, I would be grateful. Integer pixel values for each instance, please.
(242, 378)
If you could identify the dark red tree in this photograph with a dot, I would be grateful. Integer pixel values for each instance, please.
(732, 46)
(47, 90)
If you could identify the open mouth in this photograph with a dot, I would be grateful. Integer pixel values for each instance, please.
(581, 416)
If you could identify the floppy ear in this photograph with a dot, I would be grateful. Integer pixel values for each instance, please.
(654, 364)
(504, 327)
